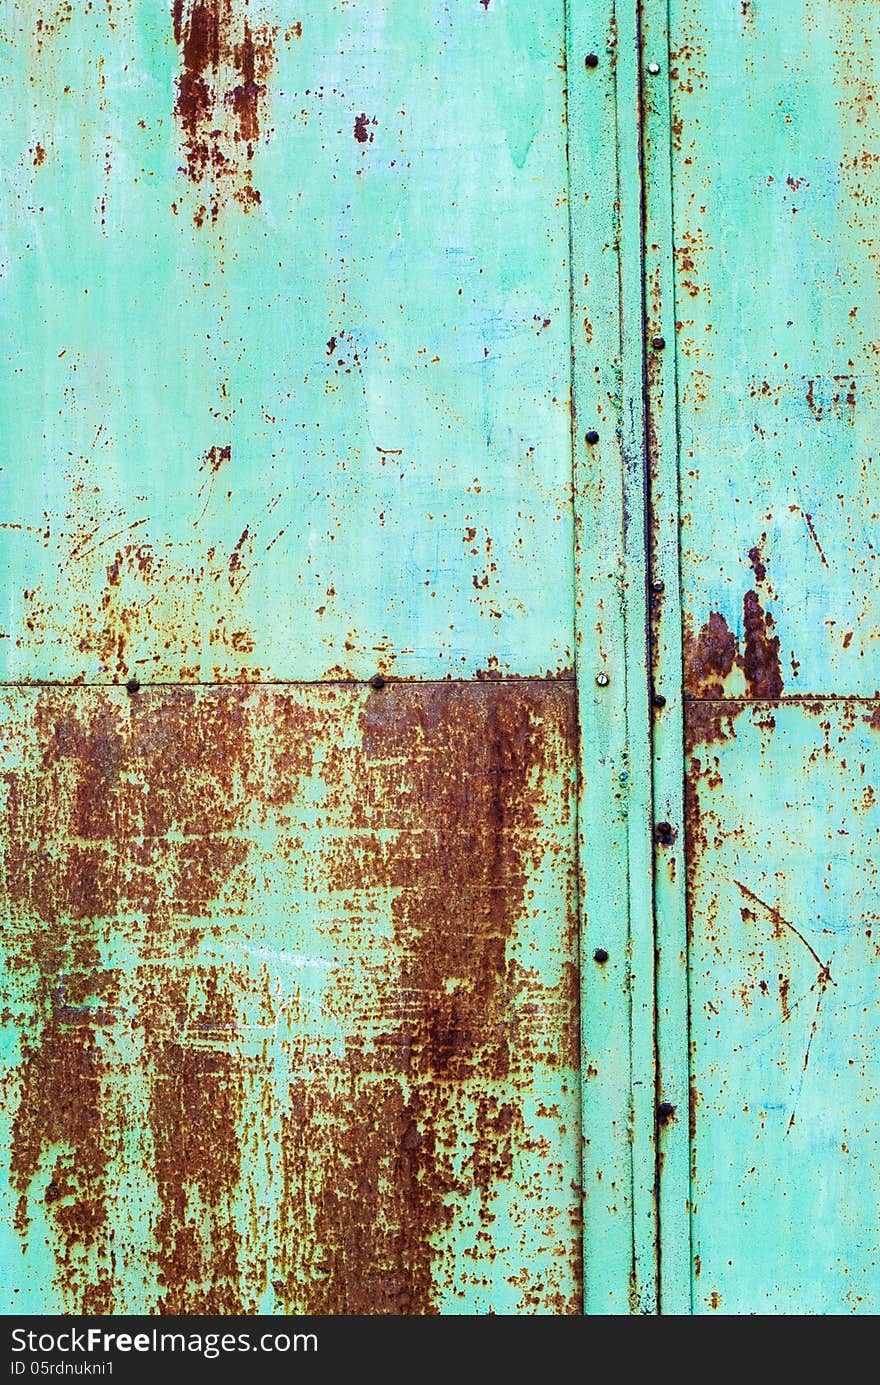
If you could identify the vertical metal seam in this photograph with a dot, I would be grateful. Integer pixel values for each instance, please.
(667, 733)
(637, 639)
(601, 613)
(578, 893)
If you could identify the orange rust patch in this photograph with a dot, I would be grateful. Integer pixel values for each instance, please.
(221, 98)
(132, 831)
(710, 657)
(760, 658)
(459, 890)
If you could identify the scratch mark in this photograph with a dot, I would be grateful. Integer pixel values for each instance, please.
(823, 979)
(781, 922)
(84, 553)
(809, 521)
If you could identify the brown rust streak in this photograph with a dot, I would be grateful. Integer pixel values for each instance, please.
(105, 834)
(710, 657)
(760, 657)
(221, 95)
(463, 760)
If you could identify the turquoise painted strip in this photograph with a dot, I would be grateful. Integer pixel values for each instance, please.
(639, 806)
(670, 911)
(600, 655)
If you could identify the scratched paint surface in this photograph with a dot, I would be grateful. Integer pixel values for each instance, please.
(286, 373)
(775, 191)
(785, 965)
(290, 999)
(777, 222)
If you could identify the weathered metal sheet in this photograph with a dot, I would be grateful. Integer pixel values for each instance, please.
(290, 1012)
(775, 128)
(287, 360)
(782, 837)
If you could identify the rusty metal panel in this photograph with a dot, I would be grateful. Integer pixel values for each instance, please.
(287, 376)
(782, 835)
(290, 1019)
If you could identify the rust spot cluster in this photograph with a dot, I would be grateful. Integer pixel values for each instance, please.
(711, 655)
(130, 894)
(222, 95)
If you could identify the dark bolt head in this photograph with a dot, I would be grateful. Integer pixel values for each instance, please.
(658, 343)
(377, 682)
(132, 686)
(600, 956)
(658, 585)
(665, 1112)
(659, 700)
(665, 833)
(592, 437)
(592, 60)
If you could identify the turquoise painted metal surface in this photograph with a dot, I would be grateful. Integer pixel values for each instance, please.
(784, 1007)
(773, 125)
(288, 381)
(290, 952)
(439, 634)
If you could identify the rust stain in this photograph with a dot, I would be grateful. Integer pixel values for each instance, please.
(760, 658)
(195, 1113)
(362, 132)
(460, 887)
(126, 821)
(221, 98)
(757, 564)
(108, 827)
(124, 593)
(808, 518)
(710, 657)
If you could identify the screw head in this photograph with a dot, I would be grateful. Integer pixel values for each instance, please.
(665, 1112)
(659, 700)
(658, 343)
(592, 437)
(653, 68)
(602, 680)
(665, 833)
(377, 682)
(133, 686)
(592, 60)
(658, 585)
(600, 956)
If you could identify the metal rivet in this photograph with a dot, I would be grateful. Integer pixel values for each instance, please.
(659, 700)
(592, 437)
(665, 1112)
(132, 686)
(592, 60)
(653, 68)
(600, 956)
(665, 833)
(658, 585)
(377, 682)
(658, 343)
(602, 680)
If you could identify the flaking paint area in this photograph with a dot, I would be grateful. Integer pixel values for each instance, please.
(226, 60)
(290, 971)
